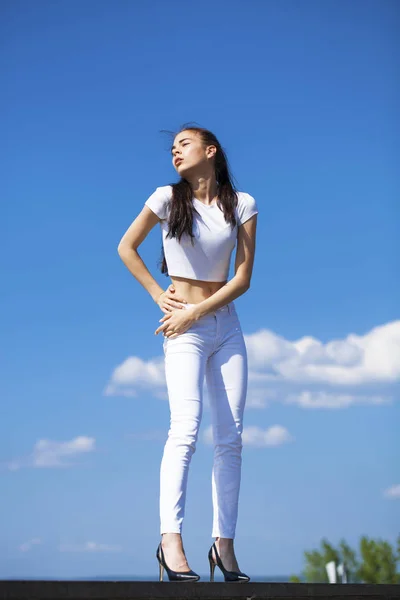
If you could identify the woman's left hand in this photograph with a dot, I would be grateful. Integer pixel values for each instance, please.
(176, 322)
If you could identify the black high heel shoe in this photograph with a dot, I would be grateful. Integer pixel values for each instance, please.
(173, 575)
(228, 575)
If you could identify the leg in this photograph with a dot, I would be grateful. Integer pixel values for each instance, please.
(185, 360)
(226, 375)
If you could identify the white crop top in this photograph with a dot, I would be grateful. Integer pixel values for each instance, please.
(208, 257)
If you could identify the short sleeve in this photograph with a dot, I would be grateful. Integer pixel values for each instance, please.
(158, 201)
(246, 208)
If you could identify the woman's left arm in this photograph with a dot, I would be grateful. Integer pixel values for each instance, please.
(240, 283)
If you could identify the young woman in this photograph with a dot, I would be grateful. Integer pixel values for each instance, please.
(202, 218)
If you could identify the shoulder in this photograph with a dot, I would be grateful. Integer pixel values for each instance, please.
(166, 190)
(159, 199)
(163, 192)
(244, 198)
(246, 207)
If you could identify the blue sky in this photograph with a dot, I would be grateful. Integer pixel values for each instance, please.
(302, 96)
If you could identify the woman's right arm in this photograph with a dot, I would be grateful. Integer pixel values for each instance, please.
(128, 252)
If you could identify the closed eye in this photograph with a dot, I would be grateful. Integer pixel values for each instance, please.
(187, 143)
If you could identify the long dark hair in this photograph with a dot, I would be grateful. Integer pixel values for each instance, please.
(181, 206)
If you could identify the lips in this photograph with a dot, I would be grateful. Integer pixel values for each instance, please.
(178, 161)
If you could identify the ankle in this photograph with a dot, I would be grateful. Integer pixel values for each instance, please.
(224, 543)
(171, 540)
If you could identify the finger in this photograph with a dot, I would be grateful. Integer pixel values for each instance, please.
(160, 328)
(175, 300)
(175, 304)
(172, 297)
(170, 304)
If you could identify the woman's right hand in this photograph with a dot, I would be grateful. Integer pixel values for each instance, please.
(168, 301)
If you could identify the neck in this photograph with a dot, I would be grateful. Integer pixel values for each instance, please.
(205, 189)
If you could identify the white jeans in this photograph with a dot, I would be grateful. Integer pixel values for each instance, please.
(213, 347)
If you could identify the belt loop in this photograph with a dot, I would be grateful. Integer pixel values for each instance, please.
(229, 308)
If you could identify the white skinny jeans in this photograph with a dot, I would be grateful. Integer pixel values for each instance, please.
(213, 347)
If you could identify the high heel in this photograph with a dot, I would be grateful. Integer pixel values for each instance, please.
(173, 575)
(228, 575)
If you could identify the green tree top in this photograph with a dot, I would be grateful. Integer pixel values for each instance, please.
(377, 564)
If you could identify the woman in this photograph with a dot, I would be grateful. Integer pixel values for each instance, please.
(202, 218)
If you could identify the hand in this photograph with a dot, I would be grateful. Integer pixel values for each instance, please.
(167, 300)
(176, 322)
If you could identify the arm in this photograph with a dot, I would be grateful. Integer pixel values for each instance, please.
(240, 283)
(127, 250)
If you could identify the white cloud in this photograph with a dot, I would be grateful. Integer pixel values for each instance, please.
(305, 372)
(207, 435)
(150, 436)
(276, 435)
(393, 491)
(259, 397)
(89, 547)
(355, 360)
(26, 546)
(309, 399)
(48, 453)
(136, 372)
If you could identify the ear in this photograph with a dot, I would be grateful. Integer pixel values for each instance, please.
(211, 151)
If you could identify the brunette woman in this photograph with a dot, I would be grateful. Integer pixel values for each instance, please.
(202, 219)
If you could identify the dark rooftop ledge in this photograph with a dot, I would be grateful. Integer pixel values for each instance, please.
(154, 590)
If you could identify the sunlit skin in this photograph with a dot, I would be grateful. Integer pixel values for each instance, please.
(197, 167)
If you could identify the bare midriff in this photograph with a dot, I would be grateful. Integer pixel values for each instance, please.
(195, 290)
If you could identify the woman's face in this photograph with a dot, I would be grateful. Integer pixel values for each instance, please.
(188, 148)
